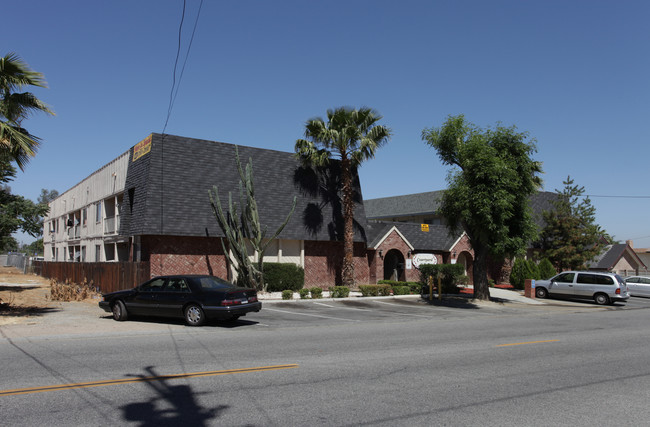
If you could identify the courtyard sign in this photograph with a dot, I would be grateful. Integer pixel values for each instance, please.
(419, 259)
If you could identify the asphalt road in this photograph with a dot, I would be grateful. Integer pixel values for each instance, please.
(369, 362)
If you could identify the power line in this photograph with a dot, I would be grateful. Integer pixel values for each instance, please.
(175, 87)
(178, 52)
(617, 196)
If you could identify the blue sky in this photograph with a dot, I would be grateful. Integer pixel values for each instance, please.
(574, 74)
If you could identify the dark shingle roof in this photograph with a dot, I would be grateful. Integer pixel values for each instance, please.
(610, 255)
(166, 191)
(436, 239)
(407, 205)
(429, 203)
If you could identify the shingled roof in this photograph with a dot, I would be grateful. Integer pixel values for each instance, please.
(166, 191)
(428, 204)
(610, 255)
(436, 239)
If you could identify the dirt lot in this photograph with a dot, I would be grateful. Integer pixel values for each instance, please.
(23, 297)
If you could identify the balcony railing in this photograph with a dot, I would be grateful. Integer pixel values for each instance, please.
(111, 224)
(74, 232)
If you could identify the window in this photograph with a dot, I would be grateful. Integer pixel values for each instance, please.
(177, 285)
(153, 286)
(98, 253)
(84, 216)
(98, 212)
(565, 278)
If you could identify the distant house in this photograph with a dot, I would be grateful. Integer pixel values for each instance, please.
(618, 258)
(151, 204)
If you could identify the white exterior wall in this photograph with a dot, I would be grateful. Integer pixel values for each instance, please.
(105, 186)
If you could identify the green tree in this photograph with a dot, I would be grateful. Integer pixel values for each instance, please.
(16, 212)
(546, 269)
(571, 237)
(350, 136)
(16, 106)
(489, 189)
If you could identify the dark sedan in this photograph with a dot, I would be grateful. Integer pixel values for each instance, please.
(194, 298)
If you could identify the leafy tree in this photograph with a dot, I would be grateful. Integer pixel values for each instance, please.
(16, 212)
(351, 137)
(571, 237)
(488, 193)
(16, 106)
(244, 229)
(546, 269)
(36, 247)
(47, 196)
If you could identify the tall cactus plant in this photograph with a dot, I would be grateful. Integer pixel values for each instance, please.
(242, 229)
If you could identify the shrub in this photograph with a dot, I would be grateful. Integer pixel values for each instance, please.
(287, 294)
(401, 290)
(281, 276)
(534, 270)
(316, 293)
(522, 270)
(414, 287)
(72, 292)
(304, 293)
(449, 273)
(375, 290)
(546, 269)
(339, 292)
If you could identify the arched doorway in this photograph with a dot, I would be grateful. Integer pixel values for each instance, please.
(465, 259)
(394, 265)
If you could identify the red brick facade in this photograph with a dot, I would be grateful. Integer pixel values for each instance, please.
(323, 264)
(379, 264)
(184, 255)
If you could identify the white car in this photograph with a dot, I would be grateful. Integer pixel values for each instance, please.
(603, 288)
(638, 286)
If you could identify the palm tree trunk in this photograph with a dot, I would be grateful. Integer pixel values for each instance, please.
(347, 272)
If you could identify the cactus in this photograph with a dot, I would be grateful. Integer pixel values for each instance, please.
(242, 228)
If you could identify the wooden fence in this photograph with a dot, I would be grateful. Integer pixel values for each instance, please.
(106, 276)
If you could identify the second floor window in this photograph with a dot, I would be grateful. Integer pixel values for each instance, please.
(98, 212)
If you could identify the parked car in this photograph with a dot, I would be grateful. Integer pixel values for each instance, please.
(603, 288)
(638, 286)
(194, 298)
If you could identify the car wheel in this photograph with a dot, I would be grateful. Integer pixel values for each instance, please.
(119, 311)
(601, 299)
(541, 293)
(194, 315)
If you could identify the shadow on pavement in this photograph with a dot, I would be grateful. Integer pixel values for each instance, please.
(171, 405)
(223, 324)
(9, 310)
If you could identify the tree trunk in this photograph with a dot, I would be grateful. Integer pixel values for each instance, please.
(347, 272)
(479, 270)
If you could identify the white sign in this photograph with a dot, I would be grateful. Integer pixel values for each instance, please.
(419, 259)
(409, 265)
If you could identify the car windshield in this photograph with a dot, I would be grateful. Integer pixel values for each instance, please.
(213, 283)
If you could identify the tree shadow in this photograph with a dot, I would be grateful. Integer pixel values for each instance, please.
(8, 310)
(323, 183)
(170, 406)
(456, 301)
(19, 288)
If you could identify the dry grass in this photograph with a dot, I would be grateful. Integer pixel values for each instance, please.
(72, 291)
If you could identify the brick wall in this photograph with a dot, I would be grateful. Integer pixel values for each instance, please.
(184, 255)
(323, 262)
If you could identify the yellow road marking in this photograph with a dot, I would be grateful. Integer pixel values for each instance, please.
(140, 379)
(524, 343)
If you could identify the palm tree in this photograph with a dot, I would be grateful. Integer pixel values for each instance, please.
(15, 107)
(351, 137)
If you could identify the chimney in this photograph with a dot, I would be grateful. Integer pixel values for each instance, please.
(630, 243)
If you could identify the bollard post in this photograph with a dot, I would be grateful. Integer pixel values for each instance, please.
(430, 288)
(439, 288)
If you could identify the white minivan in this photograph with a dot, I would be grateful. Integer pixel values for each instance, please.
(603, 288)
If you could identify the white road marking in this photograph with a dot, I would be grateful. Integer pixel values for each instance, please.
(310, 315)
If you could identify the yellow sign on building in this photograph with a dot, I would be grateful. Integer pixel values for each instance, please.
(425, 227)
(142, 148)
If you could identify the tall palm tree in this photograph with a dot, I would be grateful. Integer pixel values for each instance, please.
(15, 107)
(351, 137)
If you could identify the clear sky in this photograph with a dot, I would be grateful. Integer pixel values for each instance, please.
(574, 74)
